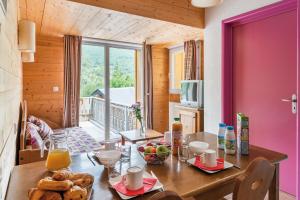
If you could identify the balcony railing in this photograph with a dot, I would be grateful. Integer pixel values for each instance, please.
(121, 116)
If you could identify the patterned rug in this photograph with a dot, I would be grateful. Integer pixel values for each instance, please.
(79, 141)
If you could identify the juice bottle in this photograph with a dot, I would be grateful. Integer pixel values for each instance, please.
(176, 135)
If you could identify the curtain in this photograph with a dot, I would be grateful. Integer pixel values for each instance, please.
(198, 60)
(190, 60)
(148, 85)
(72, 64)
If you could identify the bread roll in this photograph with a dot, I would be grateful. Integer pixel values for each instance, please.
(49, 184)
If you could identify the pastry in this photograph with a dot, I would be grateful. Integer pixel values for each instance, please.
(36, 194)
(84, 180)
(76, 193)
(62, 175)
(80, 179)
(49, 184)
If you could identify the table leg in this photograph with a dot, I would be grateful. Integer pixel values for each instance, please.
(274, 188)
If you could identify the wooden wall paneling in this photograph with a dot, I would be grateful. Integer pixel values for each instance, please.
(61, 17)
(10, 91)
(177, 11)
(40, 77)
(160, 61)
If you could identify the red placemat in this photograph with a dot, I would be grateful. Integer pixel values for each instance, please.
(199, 164)
(148, 185)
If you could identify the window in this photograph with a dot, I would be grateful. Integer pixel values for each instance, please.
(176, 68)
(110, 83)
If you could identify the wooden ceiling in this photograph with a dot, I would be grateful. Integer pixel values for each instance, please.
(62, 17)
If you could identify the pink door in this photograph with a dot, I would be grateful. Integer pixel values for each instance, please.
(264, 73)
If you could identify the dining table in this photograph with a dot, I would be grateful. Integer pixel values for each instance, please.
(136, 135)
(184, 179)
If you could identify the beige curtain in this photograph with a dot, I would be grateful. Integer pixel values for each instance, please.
(72, 66)
(148, 85)
(190, 60)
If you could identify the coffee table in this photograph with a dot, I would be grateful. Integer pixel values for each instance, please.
(135, 135)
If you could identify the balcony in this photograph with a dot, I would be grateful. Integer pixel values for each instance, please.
(92, 110)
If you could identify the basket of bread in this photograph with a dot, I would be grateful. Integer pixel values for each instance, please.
(63, 185)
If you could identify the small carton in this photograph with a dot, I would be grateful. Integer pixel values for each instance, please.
(242, 134)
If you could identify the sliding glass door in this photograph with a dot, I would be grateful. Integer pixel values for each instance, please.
(110, 84)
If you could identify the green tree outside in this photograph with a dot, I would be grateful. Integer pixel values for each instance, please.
(92, 69)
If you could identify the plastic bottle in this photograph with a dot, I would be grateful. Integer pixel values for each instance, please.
(221, 135)
(230, 140)
(176, 135)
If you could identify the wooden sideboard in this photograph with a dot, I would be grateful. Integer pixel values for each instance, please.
(191, 119)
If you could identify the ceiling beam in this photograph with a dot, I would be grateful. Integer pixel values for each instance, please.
(176, 11)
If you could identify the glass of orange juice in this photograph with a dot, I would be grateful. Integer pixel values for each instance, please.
(58, 153)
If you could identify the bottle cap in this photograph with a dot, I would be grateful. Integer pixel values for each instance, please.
(222, 125)
(177, 119)
(229, 128)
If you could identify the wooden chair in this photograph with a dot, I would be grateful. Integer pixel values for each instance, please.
(166, 195)
(255, 182)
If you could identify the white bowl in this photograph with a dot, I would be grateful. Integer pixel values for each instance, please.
(108, 157)
(198, 147)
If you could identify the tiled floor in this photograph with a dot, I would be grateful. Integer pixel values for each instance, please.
(282, 196)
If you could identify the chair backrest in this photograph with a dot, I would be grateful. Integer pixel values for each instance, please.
(255, 182)
(23, 125)
(166, 195)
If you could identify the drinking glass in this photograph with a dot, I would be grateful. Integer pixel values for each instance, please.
(126, 153)
(183, 152)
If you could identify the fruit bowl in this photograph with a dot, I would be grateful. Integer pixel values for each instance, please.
(154, 153)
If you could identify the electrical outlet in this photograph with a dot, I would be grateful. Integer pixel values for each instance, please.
(55, 89)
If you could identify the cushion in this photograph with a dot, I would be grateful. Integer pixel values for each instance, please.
(33, 136)
(44, 130)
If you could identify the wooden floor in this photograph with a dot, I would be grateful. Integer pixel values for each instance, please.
(282, 196)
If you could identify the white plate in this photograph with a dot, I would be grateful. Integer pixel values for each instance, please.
(157, 186)
(226, 166)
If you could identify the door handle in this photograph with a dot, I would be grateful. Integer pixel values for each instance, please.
(289, 100)
(292, 100)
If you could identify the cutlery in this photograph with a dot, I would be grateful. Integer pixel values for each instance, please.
(90, 159)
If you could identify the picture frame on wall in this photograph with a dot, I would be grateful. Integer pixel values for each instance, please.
(3, 5)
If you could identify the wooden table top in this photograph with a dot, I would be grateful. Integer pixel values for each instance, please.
(135, 135)
(174, 175)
